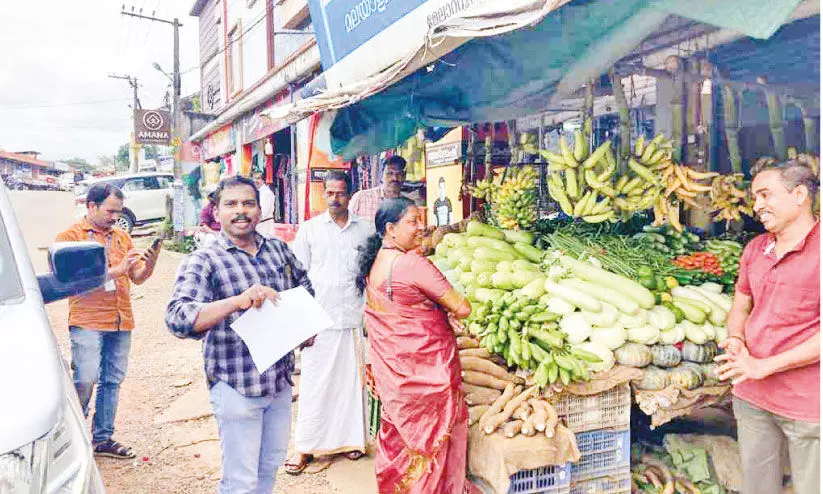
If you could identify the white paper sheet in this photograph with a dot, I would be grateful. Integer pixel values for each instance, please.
(272, 331)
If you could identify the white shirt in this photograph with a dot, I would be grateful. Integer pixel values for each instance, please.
(267, 200)
(330, 254)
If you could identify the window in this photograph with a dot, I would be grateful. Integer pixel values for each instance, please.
(285, 45)
(235, 61)
(10, 286)
(138, 184)
(164, 181)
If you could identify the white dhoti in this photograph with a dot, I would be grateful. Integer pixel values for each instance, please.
(330, 417)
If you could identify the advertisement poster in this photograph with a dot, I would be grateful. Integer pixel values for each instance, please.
(444, 179)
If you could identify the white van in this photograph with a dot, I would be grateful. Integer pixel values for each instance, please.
(44, 443)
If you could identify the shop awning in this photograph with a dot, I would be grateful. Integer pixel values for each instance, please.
(548, 53)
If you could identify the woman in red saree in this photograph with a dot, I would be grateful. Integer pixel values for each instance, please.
(421, 446)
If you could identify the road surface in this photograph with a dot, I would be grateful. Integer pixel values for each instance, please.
(164, 412)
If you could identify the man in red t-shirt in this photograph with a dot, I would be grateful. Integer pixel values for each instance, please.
(773, 349)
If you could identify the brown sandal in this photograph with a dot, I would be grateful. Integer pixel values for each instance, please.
(296, 468)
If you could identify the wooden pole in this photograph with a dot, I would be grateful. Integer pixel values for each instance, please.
(623, 112)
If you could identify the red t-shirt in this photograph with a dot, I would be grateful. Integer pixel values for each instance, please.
(785, 313)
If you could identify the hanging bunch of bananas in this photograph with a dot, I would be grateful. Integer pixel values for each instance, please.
(730, 198)
(514, 202)
(484, 189)
(681, 184)
(586, 186)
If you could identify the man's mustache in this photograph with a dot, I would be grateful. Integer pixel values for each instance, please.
(336, 204)
(241, 217)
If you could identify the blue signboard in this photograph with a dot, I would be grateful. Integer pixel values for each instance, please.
(343, 25)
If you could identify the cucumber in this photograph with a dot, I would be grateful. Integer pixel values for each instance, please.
(615, 298)
(692, 313)
(490, 254)
(478, 229)
(591, 273)
(531, 253)
(573, 296)
(514, 237)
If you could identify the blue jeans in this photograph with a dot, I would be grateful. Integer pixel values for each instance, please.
(254, 435)
(99, 357)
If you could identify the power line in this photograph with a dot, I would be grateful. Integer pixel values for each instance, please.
(29, 107)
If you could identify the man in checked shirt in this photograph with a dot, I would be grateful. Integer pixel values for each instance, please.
(214, 285)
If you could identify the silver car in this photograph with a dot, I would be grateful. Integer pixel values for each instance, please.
(44, 443)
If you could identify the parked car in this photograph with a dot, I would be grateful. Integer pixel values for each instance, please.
(44, 444)
(145, 197)
(67, 181)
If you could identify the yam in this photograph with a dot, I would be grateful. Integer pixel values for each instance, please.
(475, 352)
(484, 398)
(540, 414)
(512, 428)
(485, 380)
(492, 423)
(522, 412)
(551, 420)
(528, 429)
(471, 388)
(464, 342)
(498, 405)
(490, 368)
(476, 412)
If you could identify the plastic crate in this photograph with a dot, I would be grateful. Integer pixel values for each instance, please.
(553, 479)
(608, 410)
(374, 408)
(603, 453)
(613, 484)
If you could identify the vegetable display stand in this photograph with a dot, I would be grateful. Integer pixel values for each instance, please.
(543, 480)
(604, 453)
(610, 409)
(613, 484)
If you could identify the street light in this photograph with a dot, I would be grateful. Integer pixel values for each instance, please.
(158, 68)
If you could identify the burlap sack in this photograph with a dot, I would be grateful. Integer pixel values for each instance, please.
(604, 381)
(665, 405)
(495, 458)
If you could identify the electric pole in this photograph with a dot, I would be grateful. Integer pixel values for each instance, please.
(133, 83)
(176, 116)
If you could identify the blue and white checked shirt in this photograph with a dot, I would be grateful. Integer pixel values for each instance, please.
(217, 272)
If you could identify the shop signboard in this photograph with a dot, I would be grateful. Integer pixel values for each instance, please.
(444, 179)
(219, 142)
(152, 127)
(388, 30)
(443, 154)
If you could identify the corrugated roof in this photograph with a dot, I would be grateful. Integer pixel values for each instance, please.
(22, 158)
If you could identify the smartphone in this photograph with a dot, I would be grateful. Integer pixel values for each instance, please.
(157, 242)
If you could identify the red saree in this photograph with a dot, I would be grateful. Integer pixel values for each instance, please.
(421, 446)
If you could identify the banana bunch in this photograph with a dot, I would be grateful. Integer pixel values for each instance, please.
(730, 198)
(526, 334)
(584, 184)
(484, 189)
(514, 202)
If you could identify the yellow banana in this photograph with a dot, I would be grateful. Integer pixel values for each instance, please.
(681, 174)
(696, 175)
(674, 217)
(639, 145)
(568, 157)
(598, 153)
(581, 204)
(647, 154)
(581, 147)
(571, 184)
(621, 183)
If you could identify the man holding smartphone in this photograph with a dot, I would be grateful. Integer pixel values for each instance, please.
(100, 322)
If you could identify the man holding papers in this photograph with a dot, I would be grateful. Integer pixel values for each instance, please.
(330, 418)
(214, 286)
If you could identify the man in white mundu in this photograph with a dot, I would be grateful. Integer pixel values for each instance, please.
(330, 418)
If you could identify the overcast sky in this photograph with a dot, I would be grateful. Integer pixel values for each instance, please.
(55, 57)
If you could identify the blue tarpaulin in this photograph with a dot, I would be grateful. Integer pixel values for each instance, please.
(517, 74)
